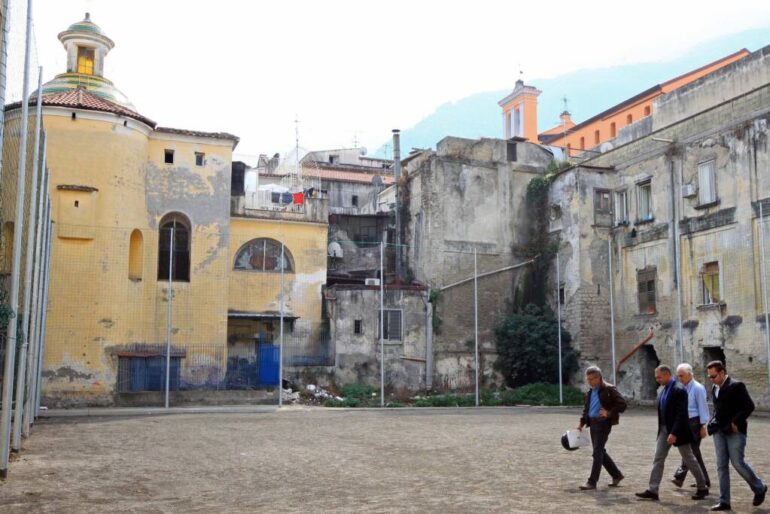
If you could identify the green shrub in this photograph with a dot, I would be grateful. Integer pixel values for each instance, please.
(357, 391)
(543, 394)
(528, 348)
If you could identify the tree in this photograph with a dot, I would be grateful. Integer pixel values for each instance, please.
(528, 348)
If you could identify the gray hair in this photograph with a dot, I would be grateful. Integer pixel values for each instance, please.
(684, 367)
(664, 369)
(594, 370)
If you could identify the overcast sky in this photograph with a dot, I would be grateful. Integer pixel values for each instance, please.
(359, 68)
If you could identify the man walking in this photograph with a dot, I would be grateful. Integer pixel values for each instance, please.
(732, 407)
(698, 413)
(673, 429)
(603, 405)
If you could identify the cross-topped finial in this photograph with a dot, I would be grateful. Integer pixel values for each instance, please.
(565, 104)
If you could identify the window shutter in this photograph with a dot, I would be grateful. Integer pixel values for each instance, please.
(706, 190)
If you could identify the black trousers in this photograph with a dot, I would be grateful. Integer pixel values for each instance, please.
(681, 472)
(600, 432)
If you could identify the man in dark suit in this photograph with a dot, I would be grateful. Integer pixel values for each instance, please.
(673, 429)
(603, 405)
(732, 407)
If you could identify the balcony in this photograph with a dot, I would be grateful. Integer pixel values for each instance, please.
(263, 204)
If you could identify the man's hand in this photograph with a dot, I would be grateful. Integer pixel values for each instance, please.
(671, 439)
(603, 413)
(703, 433)
(734, 428)
(580, 428)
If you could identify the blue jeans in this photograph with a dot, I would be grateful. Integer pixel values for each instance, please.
(730, 448)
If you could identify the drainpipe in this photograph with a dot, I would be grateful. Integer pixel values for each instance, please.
(677, 275)
(761, 227)
(612, 309)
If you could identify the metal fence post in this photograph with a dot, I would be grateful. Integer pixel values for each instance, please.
(44, 309)
(33, 376)
(23, 373)
(10, 353)
(382, 326)
(558, 323)
(280, 341)
(476, 319)
(170, 301)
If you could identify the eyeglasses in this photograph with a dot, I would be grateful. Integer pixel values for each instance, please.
(712, 377)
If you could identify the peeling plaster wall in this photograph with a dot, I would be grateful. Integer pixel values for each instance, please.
(733, 132)
(464, 196)
(358, 355)
(261, 291)
(95, 309)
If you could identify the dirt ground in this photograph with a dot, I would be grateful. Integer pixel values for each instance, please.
(322, 460)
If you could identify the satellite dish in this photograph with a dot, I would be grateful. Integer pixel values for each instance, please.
(335, 250)
(377, 181)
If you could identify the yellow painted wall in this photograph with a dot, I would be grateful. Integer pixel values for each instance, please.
(95, 307)
(255, 291)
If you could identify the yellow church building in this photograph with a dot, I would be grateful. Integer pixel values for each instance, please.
(137, 207)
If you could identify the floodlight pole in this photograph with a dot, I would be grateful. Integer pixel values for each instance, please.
(169, 319)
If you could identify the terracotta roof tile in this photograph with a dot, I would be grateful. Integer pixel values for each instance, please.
(82, 99)
(197, 133)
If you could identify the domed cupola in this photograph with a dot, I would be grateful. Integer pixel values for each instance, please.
(86, 46)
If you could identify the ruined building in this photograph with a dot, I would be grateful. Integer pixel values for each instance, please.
(672, 206)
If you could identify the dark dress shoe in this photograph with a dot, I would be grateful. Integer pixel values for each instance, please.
(721, 506)
(700, 494)
(676, 482)
(760, 497)
(588, 486)
(648, 495)
(616, 481)
(708, 485)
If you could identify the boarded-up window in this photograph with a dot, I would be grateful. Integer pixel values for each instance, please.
(710, 283)
(511, 152)
(646, 286)
(392, 325)
(707, 192)
(644, 194)
(602, 201)
(621, 207)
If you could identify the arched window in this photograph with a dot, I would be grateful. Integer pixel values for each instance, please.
(135, 256)
(178, 226)
(263, 255)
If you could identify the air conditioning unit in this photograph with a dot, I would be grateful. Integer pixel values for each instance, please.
(372, 281)
(689, 190)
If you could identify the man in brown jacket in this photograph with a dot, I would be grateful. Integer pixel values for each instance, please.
(603, 405)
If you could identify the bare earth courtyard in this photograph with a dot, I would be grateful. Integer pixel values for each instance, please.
(322, 460)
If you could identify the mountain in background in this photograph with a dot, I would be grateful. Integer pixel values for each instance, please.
(588, 92)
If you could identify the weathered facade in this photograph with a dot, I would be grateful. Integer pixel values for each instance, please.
(468, 195)
(676, 208)
(135, 207)
(354, 313)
